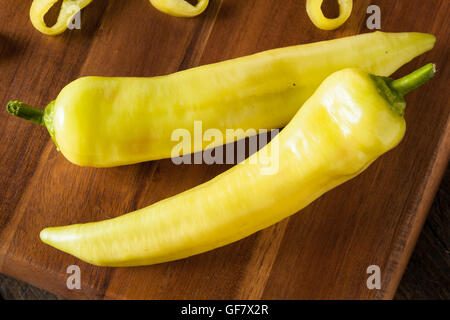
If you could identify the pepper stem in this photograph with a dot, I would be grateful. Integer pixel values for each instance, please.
(24, 111)
(394, 90)
(414, 79)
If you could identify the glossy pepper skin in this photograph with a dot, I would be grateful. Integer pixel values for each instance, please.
(346, 125)
(180, 8)
(69, 8)
(105, 122)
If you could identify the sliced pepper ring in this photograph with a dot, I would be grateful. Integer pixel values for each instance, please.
(314, 10)
(69, 9)
(180, 8)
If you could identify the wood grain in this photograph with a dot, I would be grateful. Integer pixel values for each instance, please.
(321, 253)
(427, 276)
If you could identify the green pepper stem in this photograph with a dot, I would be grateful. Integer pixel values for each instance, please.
(24, 111)
(414, 79)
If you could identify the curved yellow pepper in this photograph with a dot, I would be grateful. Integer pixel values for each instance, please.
(69, 9)
(180, 8)
(314, 10)
(351, 120)
(104, 122)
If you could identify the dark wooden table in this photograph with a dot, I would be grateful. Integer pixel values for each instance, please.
(373, 219)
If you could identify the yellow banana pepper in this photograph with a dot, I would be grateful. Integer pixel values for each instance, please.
(314, 10)
(351, 120)
(104, 122)
(180, 8)
(69, 8)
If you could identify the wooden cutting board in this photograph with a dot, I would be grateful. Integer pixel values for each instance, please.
(322, 252)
